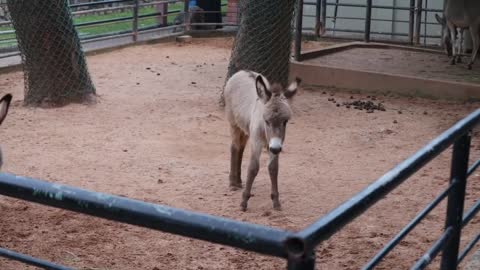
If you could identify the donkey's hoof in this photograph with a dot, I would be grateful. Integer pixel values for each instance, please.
(452, 62)
(277, 206)
(459, 60)
(469, 66)
(243, 206)
(235, 186)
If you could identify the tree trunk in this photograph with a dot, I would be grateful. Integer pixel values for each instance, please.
(263, 41)
(54, 64)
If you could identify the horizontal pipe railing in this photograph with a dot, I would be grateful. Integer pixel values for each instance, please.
(361, 32)
(468, 248)
(373, 6)
(30, 260)
(340, 30)
(471, 213)
(362, 201)
(257, 238)
(426, 259)
(473, 168)
(387, 248)
(99, 3)
(120, 19)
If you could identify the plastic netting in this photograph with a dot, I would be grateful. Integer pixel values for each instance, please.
(53, 61)
(264, 39)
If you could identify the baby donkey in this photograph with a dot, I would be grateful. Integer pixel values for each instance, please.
(258, 110)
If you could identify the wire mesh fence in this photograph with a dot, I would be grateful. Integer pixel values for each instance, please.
(263, 41)
(48, 35)
(54, 64)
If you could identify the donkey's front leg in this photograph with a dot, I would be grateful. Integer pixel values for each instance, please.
(273, 171)
(453, 36)
(253, 168)
(460, 46)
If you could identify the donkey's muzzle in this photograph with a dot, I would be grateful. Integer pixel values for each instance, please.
(275, 146)
(275, 151)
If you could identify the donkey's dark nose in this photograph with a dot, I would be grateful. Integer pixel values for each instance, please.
(275, 150)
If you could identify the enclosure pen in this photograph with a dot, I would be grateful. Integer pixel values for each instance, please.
(298, 248)
(412, 35)
(51, 50)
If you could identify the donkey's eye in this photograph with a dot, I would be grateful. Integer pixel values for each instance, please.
(268, 123)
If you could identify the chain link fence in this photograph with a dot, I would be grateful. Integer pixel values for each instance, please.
(54, 64)
(264, 38)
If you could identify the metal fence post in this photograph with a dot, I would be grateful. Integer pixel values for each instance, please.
(299, 257)
(368, 20)
(298, 34)
(318, 13)
(304, 263)
(411, 22)
(186, 10)
(324, 13)
(456, 198)
(135, 20)
(418, 21)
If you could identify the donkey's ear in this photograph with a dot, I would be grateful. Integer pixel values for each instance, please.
(292, 88)
(262, 91)
(440, 20)
(5, 103)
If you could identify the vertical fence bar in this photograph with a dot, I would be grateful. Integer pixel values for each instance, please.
(186, 10)
(163, 9)
(425, 24)
(298, 34)
(368, 20)
(318, 15)
(456, 199)
(135, 20)
(411, 22)
(335, 14)
(324, 13)
(418, 21)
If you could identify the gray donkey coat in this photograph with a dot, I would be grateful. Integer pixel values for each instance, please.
(260, 111)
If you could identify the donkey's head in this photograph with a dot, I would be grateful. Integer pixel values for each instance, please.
(277, 110)
(4, 105)
(446, 37)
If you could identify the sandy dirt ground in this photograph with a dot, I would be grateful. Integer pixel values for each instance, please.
(157, 134)
(403, 62)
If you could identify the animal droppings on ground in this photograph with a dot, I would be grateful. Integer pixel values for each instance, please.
(369, 106)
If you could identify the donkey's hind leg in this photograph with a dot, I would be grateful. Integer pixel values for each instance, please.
(239, 140)
(474, 33)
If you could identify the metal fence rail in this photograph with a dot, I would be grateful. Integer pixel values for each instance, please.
(298, 248)
(418, 11)
(130, 20)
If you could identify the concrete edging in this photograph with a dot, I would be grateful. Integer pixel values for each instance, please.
(367, 81)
